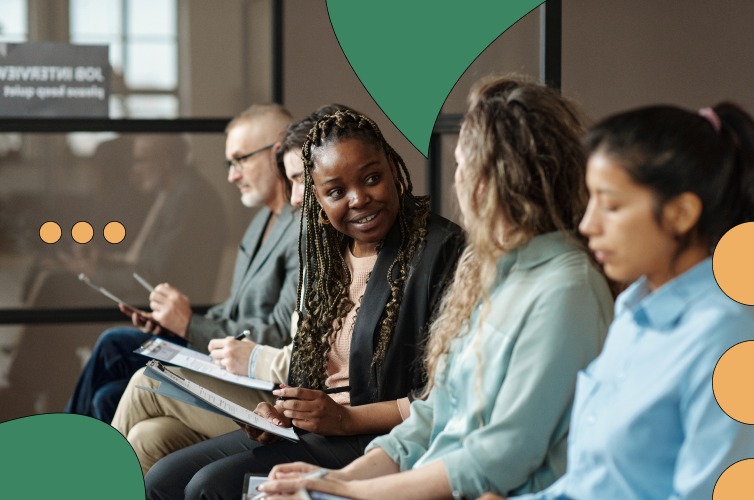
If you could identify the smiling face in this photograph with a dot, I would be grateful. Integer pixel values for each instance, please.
(622, 225)
(354, 184)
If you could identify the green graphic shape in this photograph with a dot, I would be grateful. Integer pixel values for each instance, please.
(67, 456)
(410, 54)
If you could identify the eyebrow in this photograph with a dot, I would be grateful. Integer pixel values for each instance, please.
(607, 191)
(358, 169)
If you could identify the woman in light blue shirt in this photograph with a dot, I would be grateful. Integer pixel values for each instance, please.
(665, 185)
(526, 311)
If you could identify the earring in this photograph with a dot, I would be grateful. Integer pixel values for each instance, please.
(323, 217)
(401, 188)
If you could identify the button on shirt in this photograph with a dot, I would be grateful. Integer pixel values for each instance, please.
(645, 421)
(498, 414)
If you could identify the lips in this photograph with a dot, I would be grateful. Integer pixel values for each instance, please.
(365, 221)
(600, 255)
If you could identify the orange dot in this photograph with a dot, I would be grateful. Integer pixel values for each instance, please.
(82, 232)
(114, 232)
(733, 382)
(736, 482)
(50, 232)
(732, 263)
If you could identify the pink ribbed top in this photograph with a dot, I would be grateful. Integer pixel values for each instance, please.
(337, 363)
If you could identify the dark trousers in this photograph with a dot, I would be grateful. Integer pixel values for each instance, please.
(215, 469)
(106, 374)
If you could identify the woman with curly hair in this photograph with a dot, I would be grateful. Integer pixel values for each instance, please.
(376, 262)
(526, 311)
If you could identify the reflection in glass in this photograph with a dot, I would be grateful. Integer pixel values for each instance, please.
(143, 51)
(150, 18)
(13, 20)
(151, 65)
(95, 19)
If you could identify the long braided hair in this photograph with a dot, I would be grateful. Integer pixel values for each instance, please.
(324, 287)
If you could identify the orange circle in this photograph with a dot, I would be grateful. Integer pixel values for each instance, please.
(82, 232)
(732, 263)
(736, 482)
(50, 232)
(733, 382)
(114, 232)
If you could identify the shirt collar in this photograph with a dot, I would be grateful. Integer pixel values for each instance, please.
(661, 308)
(538, 250)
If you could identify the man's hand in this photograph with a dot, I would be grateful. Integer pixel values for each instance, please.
(170, 308)
(232, 354)
(142, 320)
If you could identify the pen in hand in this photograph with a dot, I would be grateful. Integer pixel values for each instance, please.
(327, 390)
(336, 390)
(317, 474)
(243, 335)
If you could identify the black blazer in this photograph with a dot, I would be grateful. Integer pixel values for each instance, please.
(431, 269)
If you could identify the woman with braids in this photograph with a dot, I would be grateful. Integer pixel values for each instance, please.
(376, 262)
(157, 425)
(527, 309)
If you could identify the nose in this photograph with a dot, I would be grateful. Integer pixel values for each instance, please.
(358, 198)
(297, 194)
(233, 176)
(589, 223)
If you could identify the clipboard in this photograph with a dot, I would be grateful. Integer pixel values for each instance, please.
(104, 291)
(85, 279)
(181, 389)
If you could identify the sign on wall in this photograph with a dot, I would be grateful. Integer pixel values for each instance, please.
(54, 80)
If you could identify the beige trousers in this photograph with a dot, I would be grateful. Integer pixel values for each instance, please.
(156, 425)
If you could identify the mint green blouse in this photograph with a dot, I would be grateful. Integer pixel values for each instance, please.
(498, 415)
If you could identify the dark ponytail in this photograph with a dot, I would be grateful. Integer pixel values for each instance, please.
(672, 151)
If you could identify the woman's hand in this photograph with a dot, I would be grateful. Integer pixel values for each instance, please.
(272, 415)
(231, 354)
(490, 496)
(292, 486)
(313, 411)
(293, 470)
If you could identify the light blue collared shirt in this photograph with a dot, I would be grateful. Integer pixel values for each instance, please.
(498, 414)
(645, 422)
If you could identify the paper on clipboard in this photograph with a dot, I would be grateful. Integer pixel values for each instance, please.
(192, 391)
(184, 357)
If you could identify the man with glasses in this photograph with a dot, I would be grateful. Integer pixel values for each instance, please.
(263, 290)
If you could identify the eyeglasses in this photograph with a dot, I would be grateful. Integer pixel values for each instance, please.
(236, 162)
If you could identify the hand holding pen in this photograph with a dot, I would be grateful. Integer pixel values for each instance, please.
(232, 353)
(295, 483)
(313, 410)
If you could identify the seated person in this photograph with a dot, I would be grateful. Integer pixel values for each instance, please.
(263, 290)
(163, 247)
(376, 262)
(503, 360)
(666, 184)
(156, 425)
